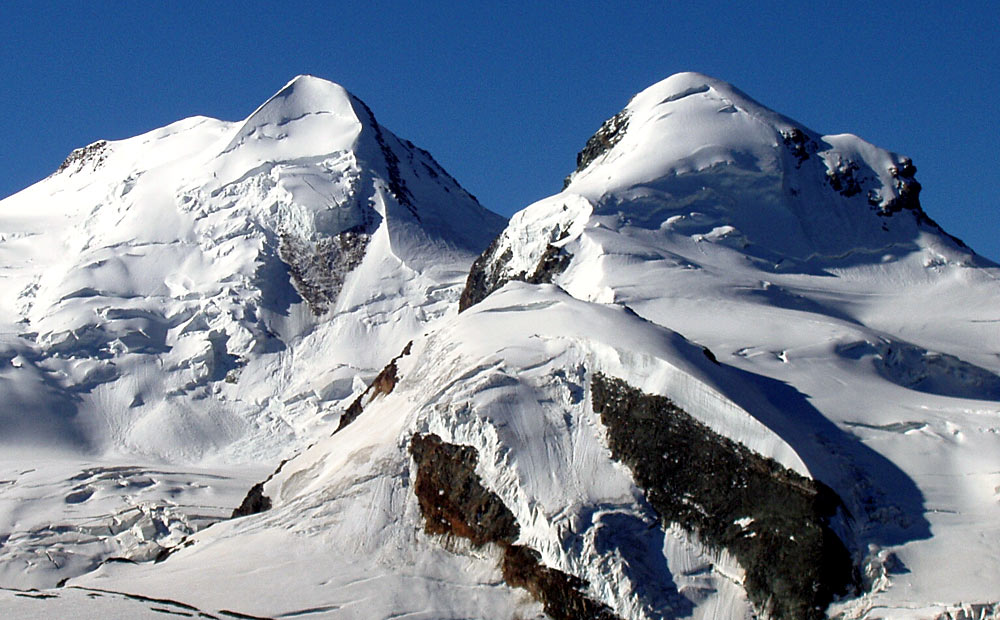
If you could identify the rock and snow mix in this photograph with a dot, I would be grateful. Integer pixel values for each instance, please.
(774, 301)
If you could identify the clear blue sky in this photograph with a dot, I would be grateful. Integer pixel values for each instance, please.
(504, 96)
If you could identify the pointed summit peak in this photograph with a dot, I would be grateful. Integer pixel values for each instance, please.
(687, 122)
(688, 83)
(689, 92)
(306, 94)
(308, 116)
(308, 78)
(680, 85)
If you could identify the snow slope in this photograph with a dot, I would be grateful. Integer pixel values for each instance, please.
(784, 289)
(520, 397)
(212, 291)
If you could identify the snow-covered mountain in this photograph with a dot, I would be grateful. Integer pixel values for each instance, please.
(732, 370)
(162, 286)
(217, 290)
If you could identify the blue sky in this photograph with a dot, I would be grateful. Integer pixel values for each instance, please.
(505, 95)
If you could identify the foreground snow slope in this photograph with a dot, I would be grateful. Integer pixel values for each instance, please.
(509, 378)
(211, 291)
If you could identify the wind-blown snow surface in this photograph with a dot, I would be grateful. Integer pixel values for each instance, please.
(213, 291)
(784, 288)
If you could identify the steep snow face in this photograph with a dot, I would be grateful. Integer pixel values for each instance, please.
(309, 117)
(807, 262)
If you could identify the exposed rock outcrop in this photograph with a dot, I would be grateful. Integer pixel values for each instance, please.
(452, 498)
(609, 134)
(801, 145)
(454, 502)
(490, 271)
(93, 155)
(554, 261)
(485, 275)
(254, 502)
(558, 592)
(383, 383)
(318, 269)
(842, 179)
(775, 522)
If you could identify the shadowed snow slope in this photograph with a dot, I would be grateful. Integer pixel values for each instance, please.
(720, 302)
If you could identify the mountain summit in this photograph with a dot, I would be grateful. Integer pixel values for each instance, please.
(783, 187)
(698, 160)
(308, 117)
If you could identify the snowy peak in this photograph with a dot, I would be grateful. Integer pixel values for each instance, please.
(700, 149)
(204, 249)
(703, 91)
(694, 168)
(685, 123)
(318, 126)
(308, 94)
(307, 113)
